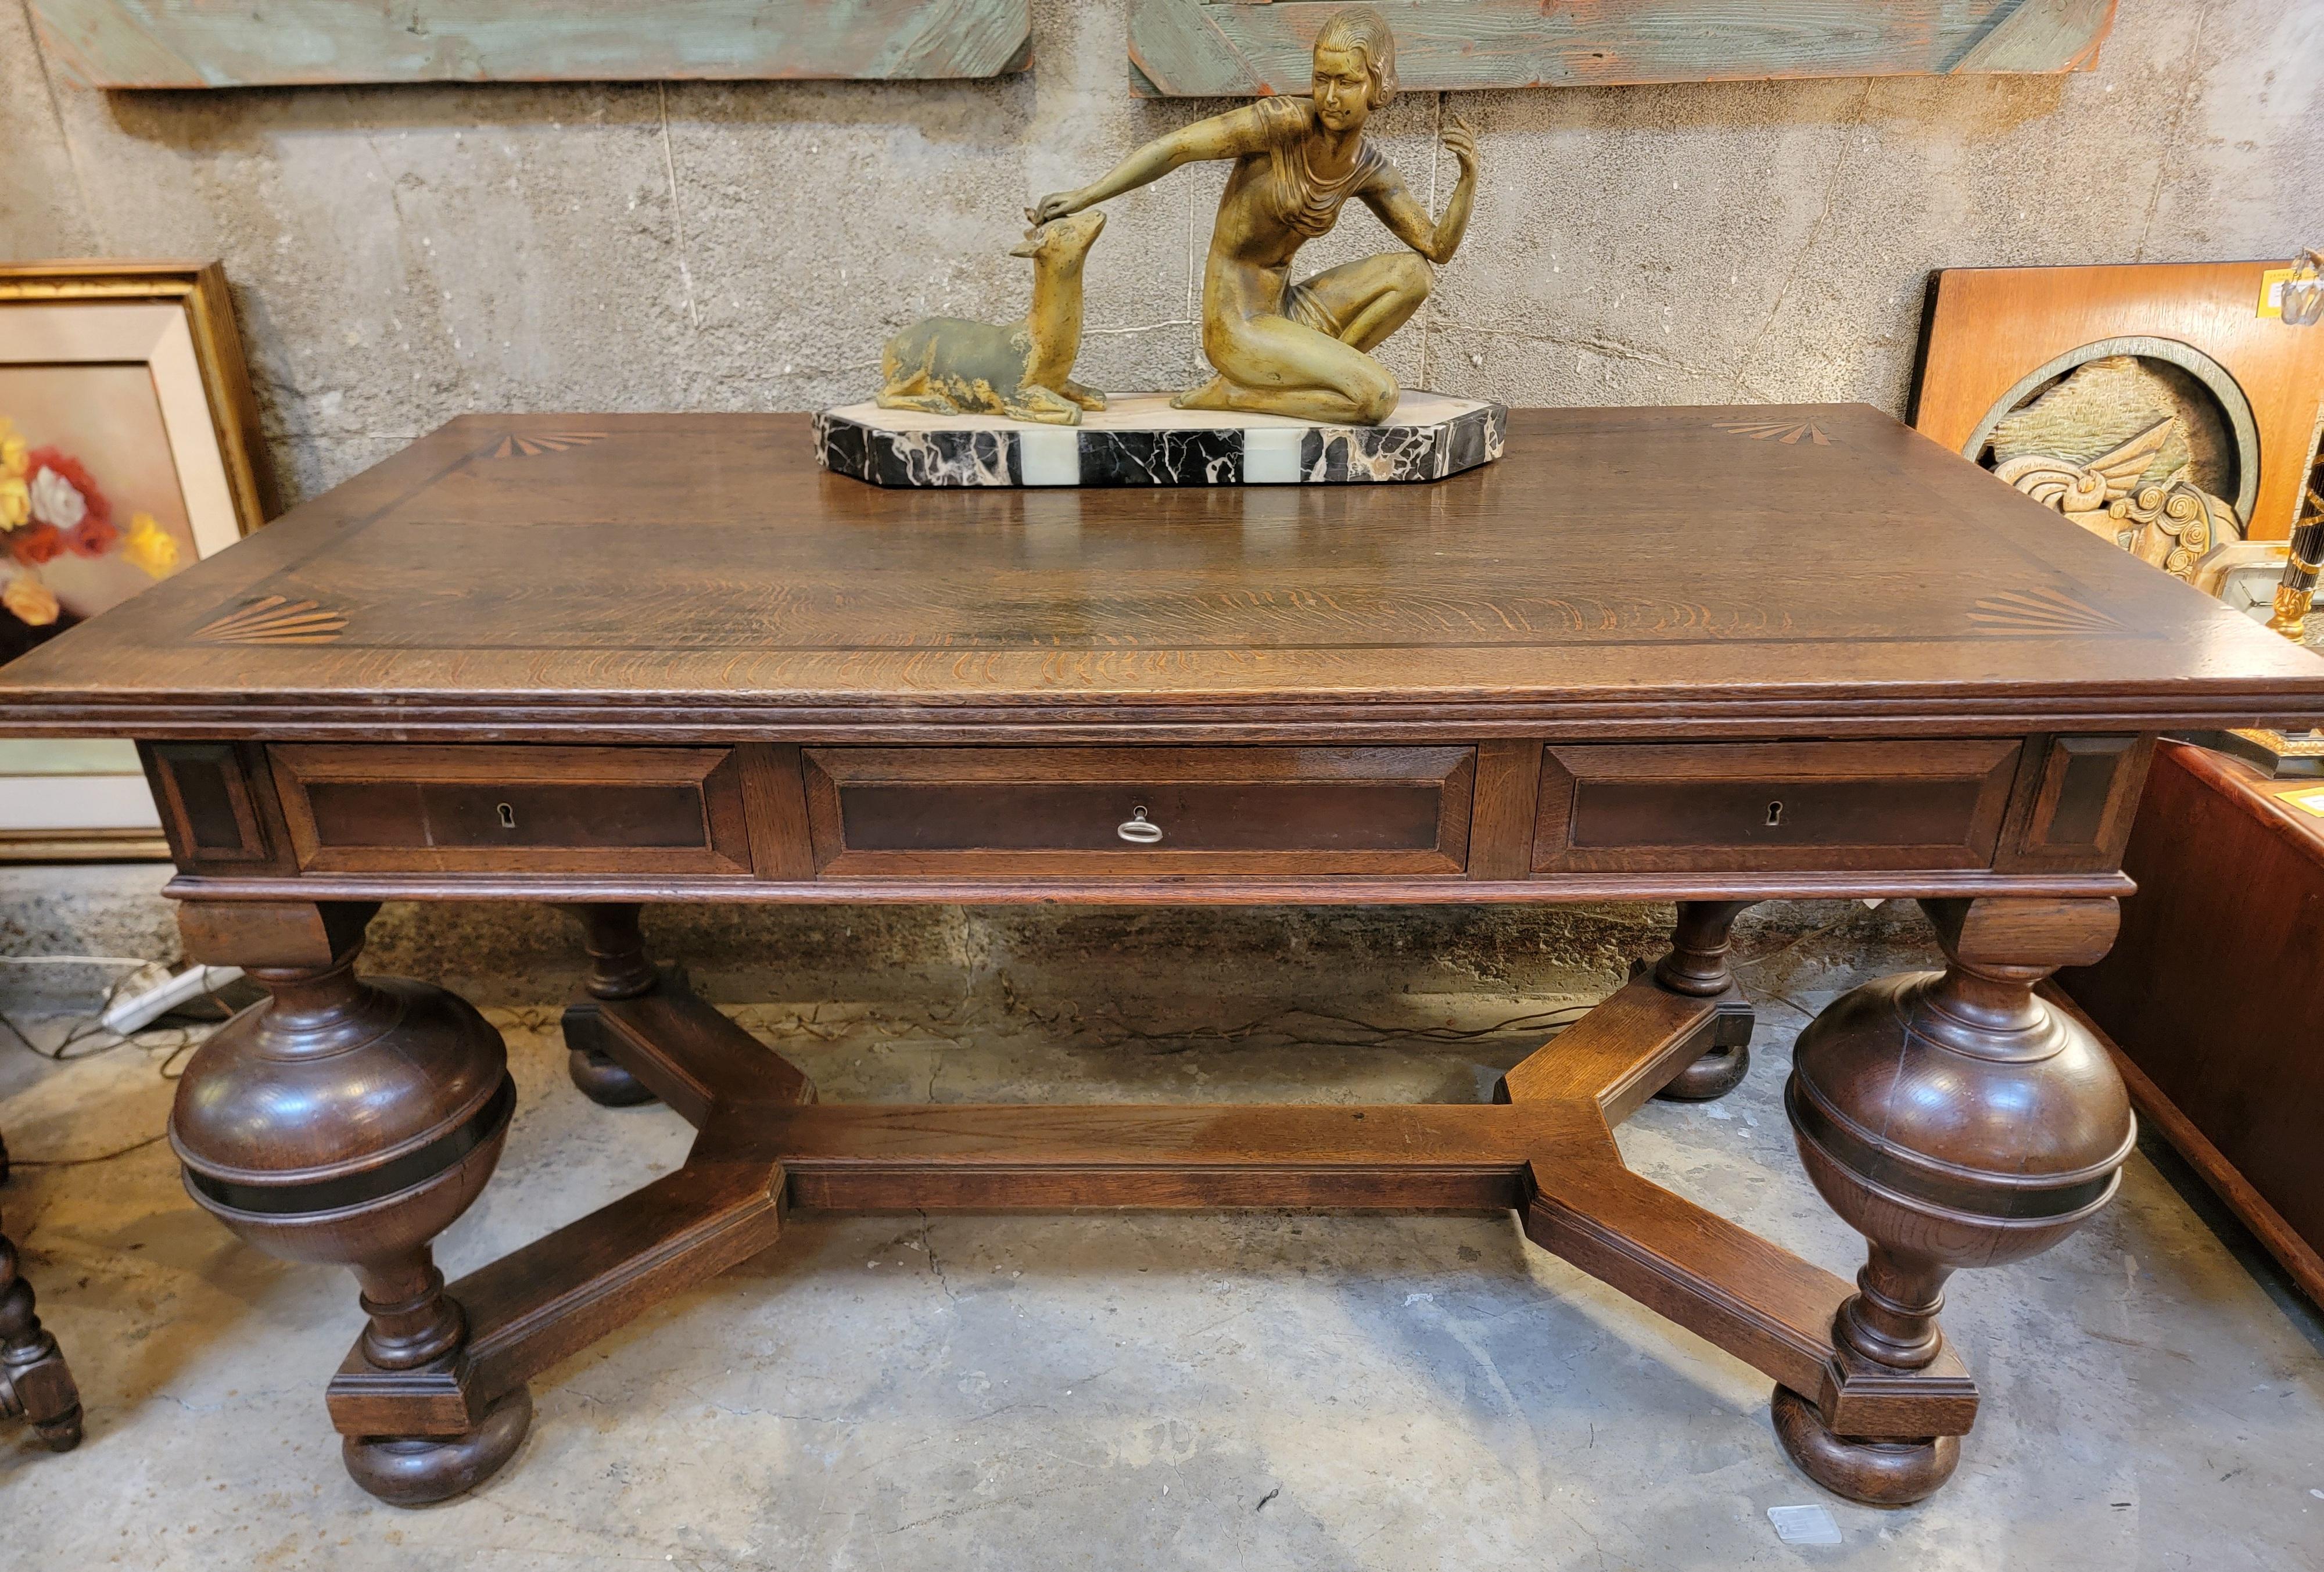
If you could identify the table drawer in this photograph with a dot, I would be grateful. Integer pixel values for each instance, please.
(366, 809)
(1772, 805)
(1076, 811)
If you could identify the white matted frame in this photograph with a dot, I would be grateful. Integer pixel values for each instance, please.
(75, 800)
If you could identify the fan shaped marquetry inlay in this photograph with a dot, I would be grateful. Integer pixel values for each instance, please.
(1787, 432)
(2042, 611)
(276, 619)
(534, 445)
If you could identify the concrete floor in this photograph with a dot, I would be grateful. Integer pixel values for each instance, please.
(1118, 1392)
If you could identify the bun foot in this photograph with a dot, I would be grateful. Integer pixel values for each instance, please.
(619, 969)
(61, 1434)
(605, 1082)
(1875, 1472)
(419, 1470)
(1712, 1076)
(1697, 967)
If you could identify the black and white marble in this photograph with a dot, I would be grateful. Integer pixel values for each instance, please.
(1141, 441)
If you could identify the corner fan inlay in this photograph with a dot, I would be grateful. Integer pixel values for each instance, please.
(2039, 611)
(275, 619)
(1787, 432)
(515, 447)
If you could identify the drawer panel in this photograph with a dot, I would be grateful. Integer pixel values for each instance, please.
(1772, 805)
(365, 809)
(1003, 812)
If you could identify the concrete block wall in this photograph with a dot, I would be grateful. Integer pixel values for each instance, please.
(401, 255)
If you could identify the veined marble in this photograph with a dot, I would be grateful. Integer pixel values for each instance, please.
(1141, 441)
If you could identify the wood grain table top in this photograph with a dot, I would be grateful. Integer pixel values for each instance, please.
(1766, 571)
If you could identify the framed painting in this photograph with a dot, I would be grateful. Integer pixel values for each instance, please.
(128, 448)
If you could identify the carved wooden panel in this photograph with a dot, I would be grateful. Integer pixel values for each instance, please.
(2076, 802)
(1997, 336)
(1231, 48)
(209, 800)
(196, 43)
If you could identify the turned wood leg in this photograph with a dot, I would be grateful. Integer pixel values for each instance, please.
(350, 1120)
(1696, 966)
(35, 1384)
(1955, 1120)
(619, 969)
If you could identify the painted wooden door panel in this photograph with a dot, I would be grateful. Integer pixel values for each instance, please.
(1231, 48)
(198, 43)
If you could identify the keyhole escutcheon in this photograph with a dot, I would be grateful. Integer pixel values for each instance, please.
(1775, 813)
(508, 816)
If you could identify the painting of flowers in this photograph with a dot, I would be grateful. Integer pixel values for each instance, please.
(129, 451)
(91, 510)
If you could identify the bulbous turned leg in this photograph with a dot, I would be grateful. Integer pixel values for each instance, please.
(35, 1384)
(1697, 966)
(1956, 1120)
(619, 969)
(350, 1121)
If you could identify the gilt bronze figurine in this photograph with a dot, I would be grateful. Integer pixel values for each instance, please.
(1302, 350)
(948, 365)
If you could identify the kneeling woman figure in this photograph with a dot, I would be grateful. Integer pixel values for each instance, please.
(1282, 348)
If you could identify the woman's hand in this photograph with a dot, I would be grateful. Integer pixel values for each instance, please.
(1460, 141)
(1056, 205)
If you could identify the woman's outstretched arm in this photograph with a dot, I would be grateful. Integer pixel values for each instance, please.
(1222, 136)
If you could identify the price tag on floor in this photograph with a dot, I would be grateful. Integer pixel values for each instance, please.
(1805, 1525)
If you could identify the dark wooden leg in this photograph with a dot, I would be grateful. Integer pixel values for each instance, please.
(619, 969)
(1696, 967)
(350, 1121)
(35, 1384)
(1955, 1119)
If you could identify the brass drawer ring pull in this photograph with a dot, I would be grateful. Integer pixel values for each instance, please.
(1138, 828)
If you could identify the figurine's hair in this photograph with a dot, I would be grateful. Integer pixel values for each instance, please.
(1364, 30)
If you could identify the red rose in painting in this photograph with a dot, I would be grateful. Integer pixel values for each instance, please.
(35, 544)
(93, 535)
(63, 494)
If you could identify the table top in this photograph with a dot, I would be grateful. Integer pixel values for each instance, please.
(1759, 571)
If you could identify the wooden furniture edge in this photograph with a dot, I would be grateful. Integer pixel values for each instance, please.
(2300, 1260)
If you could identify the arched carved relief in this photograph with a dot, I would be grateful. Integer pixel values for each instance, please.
(2129, 452)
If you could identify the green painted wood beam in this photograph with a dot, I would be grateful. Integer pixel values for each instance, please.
(254, 43)
(1239, 48)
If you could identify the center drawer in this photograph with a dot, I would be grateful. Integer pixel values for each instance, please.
(1139, 813)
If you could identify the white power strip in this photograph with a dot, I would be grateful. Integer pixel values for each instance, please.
(138, 1010)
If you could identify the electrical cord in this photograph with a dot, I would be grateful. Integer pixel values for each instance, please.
(173, 1044)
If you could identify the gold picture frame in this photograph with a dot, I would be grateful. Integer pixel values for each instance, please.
(110, 368)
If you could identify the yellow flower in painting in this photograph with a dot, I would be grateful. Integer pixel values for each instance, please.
(149, 546)
(12, 451)
(33, 601)
(15, 503)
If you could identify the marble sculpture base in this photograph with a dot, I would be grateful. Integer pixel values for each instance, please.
(1141, 441)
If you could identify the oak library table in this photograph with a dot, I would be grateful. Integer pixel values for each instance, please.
(1700, 655)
